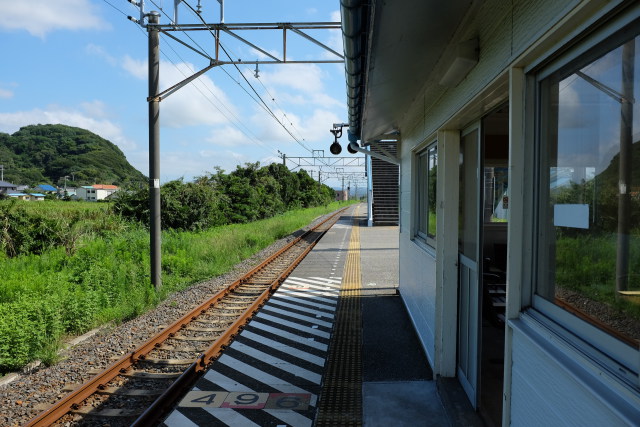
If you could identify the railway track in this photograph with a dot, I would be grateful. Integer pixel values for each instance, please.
(141, 386)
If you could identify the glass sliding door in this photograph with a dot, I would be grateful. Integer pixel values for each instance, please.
(469, 267)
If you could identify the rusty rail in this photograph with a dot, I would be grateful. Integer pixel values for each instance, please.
(74, 399)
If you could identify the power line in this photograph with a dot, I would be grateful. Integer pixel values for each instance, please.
(254, 138)
(248, 83)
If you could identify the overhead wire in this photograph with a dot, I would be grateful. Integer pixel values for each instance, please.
(238, 122)
(262, 102)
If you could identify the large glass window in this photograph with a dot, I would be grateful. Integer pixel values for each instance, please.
(589, 237)
(426, 180)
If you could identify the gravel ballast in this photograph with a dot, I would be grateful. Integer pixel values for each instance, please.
(25, 395)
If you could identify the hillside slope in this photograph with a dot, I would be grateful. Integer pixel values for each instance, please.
(39, 154)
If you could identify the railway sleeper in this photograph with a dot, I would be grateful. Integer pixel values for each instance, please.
(185, 349)
(151, 375)
(200, 338)
(168, 362)
(131, 391)
(107, 412)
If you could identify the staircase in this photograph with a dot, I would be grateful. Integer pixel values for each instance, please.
(384, 176)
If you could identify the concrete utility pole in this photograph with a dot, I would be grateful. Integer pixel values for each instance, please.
(154, 29)
(624, 184)
(154, 150)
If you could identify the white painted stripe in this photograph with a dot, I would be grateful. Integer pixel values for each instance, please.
(224, 382)
(306, 301)
(325, 297)
(319, 282)
(289, 336)
(277, 362)
(337, 280)
(259, 375)
(293, 325)
(302, 317)
(176, 419)
(310, 286)
(300, 354)
(291, 418)
(230, 417)
(311, 311)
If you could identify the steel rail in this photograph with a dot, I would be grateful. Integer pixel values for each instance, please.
(165, 401)
(596, 322)
(74, 399)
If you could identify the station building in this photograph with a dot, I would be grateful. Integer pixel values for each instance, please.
(517, 126)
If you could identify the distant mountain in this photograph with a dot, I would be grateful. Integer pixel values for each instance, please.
(611, 175)
(40, 154)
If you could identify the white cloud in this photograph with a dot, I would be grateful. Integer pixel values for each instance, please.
(229, 136)
(189, 164)
(335, 37)
(200, 102)
(138, 69)
(12, 122)
(96, 109)
(301, 77)
(309, 130)
(99, 51)
(39, 17)
(5, 93)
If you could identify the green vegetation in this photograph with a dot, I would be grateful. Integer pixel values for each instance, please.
(40, 154)
(68, 267)
(585, 259)
(246, 194)
(46, 296)
(587, 265)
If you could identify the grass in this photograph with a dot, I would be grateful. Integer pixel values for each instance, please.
(587, 265)
(45, 297)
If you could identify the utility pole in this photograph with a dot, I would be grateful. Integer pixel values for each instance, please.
(154, 28)
(624, 174)
(154, 149)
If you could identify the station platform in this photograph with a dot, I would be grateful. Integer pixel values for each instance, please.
(333, 346)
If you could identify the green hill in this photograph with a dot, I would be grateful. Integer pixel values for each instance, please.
(40, 154)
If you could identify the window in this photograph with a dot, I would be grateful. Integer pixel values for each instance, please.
(426, 179)
(589, 193)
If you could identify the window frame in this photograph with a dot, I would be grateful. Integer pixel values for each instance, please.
(617, 357)
(422, 157)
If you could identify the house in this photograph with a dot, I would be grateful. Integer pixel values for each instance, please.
(516, 128)
(19, 196)
(37, 197)
(95, 192)
(341, 195)
(46, 188)
(7, 187)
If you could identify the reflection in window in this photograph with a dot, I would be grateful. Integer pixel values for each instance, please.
(591, 202)
(426, 179)
(496, 199)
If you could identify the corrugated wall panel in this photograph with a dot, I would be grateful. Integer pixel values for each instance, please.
(544, 392)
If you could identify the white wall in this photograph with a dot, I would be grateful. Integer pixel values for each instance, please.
(552, 384)
(514, 33)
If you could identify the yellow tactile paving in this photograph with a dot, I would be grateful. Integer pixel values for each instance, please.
(341, 398)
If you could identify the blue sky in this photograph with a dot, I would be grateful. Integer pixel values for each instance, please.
(82, 63)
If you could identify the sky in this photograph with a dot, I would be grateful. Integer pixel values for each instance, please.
(83, 63)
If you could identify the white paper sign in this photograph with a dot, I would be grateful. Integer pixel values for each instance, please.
(574, 216)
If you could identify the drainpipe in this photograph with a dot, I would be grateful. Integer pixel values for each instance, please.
(351, 12)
